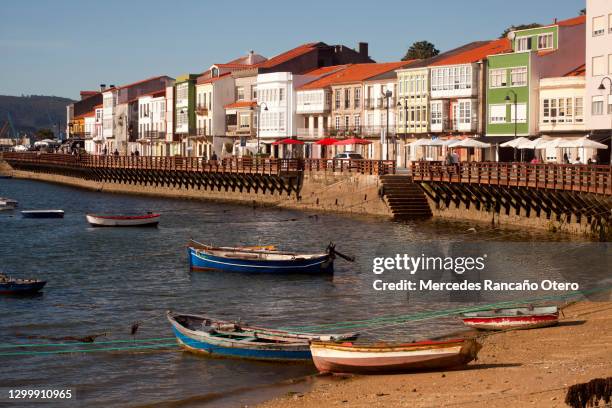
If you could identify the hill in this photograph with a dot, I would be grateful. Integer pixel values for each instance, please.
(32, 112)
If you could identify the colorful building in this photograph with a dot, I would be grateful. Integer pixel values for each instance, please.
(184, 112)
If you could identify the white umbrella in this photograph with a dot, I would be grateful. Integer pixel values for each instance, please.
(472, 143)
(539, 143)
(424, 142)
(586, 143)
(515, 142)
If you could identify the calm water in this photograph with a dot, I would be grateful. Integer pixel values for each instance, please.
(102, 280)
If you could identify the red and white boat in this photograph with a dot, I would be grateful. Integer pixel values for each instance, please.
(393, 358)
(147, 220)
(518, 318)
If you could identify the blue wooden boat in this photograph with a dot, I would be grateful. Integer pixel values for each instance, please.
(43, 214)
(217, 338)
(12, 286)
(257, 260)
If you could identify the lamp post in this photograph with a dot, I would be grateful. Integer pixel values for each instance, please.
(387, 95)
(602, 87)
(258, 108)
(515, 115)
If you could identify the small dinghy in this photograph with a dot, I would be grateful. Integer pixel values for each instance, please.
(518, 318)
(7, 204)
(259, 260)
(43, 214)
(146, 220)
(13, 286)
(393, 358)
(200, 334)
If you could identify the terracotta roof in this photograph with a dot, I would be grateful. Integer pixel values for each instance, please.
(137, 83)
(476, 54)
(355, 73)
(577, 72)
(288, 55)
(572, 21)
(447, 54)
(325, 70)
(241, 104)
(209, 80)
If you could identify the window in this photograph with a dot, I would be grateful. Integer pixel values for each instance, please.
(520, 114)
(347, 122)
(254, 91)
(518, 76)
(545, 41)
(448, 78)
(610, 23)
(243, 120)
(357, 95)
(181, 91)
(337, 99)
(497, 113)
(436, 113)
(497, 78)
(357, 121)
(523, 44)
(338, 121)
(465, 112)
(599, 66)
(598, 105)
(281, 94)
(281, 120)
(599, 25)
(579, 109)
(347, 98)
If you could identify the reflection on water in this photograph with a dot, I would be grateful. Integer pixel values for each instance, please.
(100, 281)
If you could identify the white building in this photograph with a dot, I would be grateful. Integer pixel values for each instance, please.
(212, 94)
(599, 65)
(109, 103)
(152, 125)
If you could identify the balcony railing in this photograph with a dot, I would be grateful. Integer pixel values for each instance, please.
(361, 131)
(202, 109)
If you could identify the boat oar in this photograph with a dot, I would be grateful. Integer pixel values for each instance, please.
(332, 251)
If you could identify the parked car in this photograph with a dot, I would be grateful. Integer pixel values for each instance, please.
(348, 156)
(339, 160)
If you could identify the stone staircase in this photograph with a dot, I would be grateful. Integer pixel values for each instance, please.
(405, 198)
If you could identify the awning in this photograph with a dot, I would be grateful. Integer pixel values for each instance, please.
(352, 141)
(288, 141)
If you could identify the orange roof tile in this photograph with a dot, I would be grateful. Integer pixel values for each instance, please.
(288, 55)
(209, 80)
(325, 70)
(471, 55)
(241, 104)
(577, 72)
(355, 73)
(572, 21)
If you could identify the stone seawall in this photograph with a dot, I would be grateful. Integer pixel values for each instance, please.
(343, 193)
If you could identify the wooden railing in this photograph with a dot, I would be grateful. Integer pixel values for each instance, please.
(198, 164)
(570, 177)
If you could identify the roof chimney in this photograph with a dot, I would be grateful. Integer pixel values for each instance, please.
(363, 49)
(555, 21)
(250, 58)
(102, 87)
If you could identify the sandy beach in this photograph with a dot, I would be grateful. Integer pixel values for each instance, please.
(514, 369)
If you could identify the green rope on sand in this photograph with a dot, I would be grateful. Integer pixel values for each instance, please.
(93, 350)
(3, 346)
(393, 320)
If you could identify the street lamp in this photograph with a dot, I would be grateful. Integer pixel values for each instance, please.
(602, 87)
(258, 108)
(515, 115)
(387, 95)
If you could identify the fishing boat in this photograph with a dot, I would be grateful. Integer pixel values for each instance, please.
(517, 318)
(43, 214)
(13, 286)
(393, 358)
(146, 220)
(7, 204)
(259, 260)
(200, 334)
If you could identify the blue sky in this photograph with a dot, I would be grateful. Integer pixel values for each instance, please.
(60, 47)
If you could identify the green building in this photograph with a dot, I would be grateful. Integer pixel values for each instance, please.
(184, 109)
(512, 92)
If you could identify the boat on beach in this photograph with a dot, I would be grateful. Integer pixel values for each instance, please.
(43, 214)
(13, 286)
(393, 358)
(146, 220)
(515, 319)
(8, 204)
(200, 334)
(257, 260)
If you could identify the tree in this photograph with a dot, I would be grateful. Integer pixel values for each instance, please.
(44, 133)
(519, 27)
(421, 50)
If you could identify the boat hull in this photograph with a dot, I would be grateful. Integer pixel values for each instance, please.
(13, 288)
(511, 322)
(205, 343)
(333, 358)
(123, 221)
(43, 214)
(199, 260)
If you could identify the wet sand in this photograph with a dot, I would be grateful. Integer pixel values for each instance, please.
(514, 369)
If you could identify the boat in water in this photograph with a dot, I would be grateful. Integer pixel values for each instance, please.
(393, 358)
(200, 334)
(512, 319)
(258, 260)
(13, 286)
(146, 220)
(43, 214)
(7, 204)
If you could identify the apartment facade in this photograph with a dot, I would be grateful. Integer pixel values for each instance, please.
(514, 78)
(152, 123)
